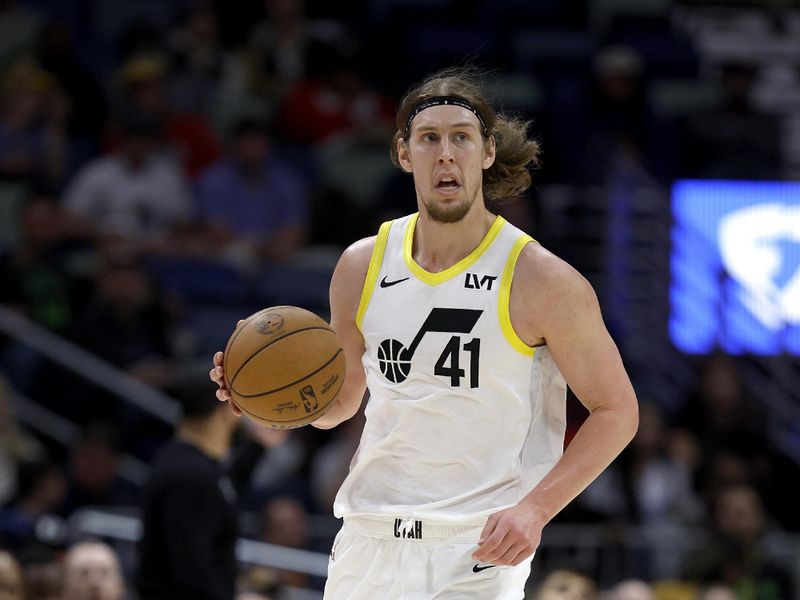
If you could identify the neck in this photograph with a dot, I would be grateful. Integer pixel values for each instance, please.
(210, 436)
(438, 246)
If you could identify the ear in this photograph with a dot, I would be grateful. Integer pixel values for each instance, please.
(404, 156)
(489, 151)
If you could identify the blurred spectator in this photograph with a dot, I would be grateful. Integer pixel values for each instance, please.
(136, 195)
(92, 572)
(198, 59)
(57, 54)
(145, 90)
(252, 596)
(16, 446)
(93, 473)
(735, 553)
(565, 584)
(730, 425)
(717, 592)
(735, 141)
(39, 277)
(286, 524)
(632, 589)
(190, 505)
(621, 127)
(43, 572)
(12, 585)
(253, 199)
(258, 583)
(40, 495)
(19, 28)
(720, 412)
(33, 115)
(282, 48)
(127, 321)
(335, 102)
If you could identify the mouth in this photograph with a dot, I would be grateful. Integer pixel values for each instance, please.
(447, 185)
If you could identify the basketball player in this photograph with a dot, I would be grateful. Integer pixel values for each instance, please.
(465, 330)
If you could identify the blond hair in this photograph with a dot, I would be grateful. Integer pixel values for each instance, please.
(509, 176)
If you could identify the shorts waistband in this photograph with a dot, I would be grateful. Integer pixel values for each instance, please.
(413, 528)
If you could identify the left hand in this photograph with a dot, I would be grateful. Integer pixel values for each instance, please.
(509, 536)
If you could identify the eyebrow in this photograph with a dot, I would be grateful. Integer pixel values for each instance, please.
(459, 125)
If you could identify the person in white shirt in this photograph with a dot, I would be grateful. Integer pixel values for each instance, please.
(137, 194)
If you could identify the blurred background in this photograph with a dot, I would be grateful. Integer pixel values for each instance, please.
(169, 167)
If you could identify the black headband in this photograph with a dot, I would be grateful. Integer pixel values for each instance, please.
(443, 101)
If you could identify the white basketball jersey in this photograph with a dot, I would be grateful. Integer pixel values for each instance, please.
(463, 418)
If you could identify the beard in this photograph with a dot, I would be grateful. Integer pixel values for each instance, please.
(452, 212)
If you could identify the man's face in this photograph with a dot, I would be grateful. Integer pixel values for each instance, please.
(447, 155)
(92, 573)
(566, 586)
(10, 578)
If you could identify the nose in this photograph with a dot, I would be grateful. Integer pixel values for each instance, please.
(445, 154)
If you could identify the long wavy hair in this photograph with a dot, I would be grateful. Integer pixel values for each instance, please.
(516, 153)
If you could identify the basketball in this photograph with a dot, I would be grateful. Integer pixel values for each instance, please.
(284, 367)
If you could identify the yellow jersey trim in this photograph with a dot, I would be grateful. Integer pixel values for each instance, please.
(504, 298)
(374, 269)
(460, 266)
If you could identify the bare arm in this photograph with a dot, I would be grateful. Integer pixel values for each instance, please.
(345, 294)
(551, 302)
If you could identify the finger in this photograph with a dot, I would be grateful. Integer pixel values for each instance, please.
(501, 552)
(234, 407)
(239, 323)
(490, 545)
(520, 557)
(212, 375)
(218, 359)
(491, 523)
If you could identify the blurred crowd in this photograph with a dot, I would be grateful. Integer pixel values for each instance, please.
(169, 167)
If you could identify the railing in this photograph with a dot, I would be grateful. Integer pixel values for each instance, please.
(89, 366)
(93, 369)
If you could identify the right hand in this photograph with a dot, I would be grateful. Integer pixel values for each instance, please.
(217, 375)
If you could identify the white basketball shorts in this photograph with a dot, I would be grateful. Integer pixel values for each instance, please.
(386, 558)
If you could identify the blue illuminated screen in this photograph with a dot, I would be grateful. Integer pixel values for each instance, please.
(735, 267)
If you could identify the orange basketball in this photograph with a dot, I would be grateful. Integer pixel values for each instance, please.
(284, 367)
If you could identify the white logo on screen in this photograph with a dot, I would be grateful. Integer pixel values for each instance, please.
(748, 240)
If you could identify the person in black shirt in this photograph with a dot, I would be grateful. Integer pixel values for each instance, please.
(190, 505)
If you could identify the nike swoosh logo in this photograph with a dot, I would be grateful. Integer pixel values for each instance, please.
(477, 569)
(385, 284)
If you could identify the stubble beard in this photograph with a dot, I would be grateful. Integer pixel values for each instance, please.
(452, 212)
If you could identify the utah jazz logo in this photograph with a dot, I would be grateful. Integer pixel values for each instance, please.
(395, 359)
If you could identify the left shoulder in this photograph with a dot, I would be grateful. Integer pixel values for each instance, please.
(548, 295)
(549, 280)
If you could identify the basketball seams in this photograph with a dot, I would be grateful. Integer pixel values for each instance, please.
(288, 385)
(256, 365)
(277, 339)
(235, 335)
(291, 424)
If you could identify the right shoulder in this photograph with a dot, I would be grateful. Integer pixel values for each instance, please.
(357, 255)
(351, 271)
